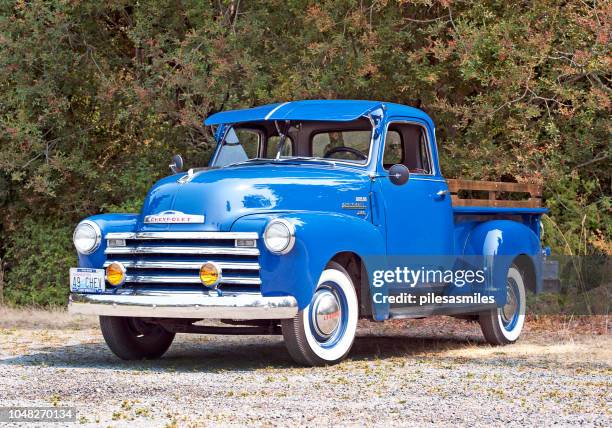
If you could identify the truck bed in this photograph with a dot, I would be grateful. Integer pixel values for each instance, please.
(487, 197)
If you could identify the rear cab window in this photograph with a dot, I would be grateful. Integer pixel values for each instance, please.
(350, 145)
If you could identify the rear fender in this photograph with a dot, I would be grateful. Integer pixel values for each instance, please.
(500, 242)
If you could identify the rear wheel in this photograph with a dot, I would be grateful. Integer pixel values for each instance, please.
(135, 339)
(503, 325)
(324, 331)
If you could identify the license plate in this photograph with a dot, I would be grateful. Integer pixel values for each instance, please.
(84, 280)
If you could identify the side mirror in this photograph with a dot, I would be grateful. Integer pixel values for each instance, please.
(399, 174)
(177, 164)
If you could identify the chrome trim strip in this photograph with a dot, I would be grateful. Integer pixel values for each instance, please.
(182, 235)
(174, 279)
(183, 265)
(143, 249)
(143, 303)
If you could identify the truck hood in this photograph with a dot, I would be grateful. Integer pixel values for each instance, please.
(224, 195)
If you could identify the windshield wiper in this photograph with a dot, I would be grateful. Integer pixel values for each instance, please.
(283, 138)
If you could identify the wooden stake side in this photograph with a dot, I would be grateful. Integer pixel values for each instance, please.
(494, 188)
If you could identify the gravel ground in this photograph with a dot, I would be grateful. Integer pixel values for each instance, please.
(416, 373)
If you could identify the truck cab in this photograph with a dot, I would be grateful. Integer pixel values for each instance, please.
(303, 205)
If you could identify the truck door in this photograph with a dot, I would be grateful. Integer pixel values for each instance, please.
(418, 214)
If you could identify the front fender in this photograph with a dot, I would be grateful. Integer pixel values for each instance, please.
(319, 236)
(108, 223)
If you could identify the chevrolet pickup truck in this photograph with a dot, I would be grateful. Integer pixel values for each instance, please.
(302, 204)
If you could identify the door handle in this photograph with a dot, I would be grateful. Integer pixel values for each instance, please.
(442, 193)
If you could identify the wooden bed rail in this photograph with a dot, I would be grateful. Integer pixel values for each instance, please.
(494, 188)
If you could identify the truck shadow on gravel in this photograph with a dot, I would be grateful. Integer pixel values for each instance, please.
(214, 354)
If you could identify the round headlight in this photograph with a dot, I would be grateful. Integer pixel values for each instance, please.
(279, 236)
(87, 237)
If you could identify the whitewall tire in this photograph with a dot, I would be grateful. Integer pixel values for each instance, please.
(503, 325)
(324, 331)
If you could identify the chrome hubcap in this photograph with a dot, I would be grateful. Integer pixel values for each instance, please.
(509, 309)
(326, 312)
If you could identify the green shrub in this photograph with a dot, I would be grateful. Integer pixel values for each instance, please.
(37, 258)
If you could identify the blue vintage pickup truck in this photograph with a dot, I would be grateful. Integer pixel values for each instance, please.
(284, 232)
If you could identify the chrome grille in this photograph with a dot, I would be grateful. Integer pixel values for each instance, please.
(173, 259)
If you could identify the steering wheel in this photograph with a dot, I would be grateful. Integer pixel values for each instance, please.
(350, 150)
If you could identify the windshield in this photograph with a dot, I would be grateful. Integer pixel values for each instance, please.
(347, 142)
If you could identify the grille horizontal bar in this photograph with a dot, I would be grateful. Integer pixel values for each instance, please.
(143, 249)
(166, 279)
(173, 259)
(182, 235)
(150, 264)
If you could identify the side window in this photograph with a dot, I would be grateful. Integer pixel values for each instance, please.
(424, 152)
(394, 152)
(407, 144)
(272, 147)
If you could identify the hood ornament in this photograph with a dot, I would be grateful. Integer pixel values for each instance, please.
(174, 217)
(187, 177)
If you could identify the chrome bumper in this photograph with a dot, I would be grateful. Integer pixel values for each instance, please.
(165, 304)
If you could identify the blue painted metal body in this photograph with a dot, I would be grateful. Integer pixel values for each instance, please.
(409, 220)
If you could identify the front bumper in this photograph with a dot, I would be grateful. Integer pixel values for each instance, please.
(197, 305)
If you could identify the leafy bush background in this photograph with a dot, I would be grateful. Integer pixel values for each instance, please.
(96, 96)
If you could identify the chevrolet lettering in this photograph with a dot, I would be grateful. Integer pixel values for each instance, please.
(174, 217)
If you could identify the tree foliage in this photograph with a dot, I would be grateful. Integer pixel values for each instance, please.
(96, 96)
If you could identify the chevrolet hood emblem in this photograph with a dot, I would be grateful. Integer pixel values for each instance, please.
(173, 217)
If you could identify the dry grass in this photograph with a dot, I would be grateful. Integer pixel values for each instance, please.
(584, 350)
(551, 338)
(36, 318)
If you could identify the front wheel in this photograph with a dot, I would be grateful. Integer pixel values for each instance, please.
(503, 325)
(323, 332)
(135, 339)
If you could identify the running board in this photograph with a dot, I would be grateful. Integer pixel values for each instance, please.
(426, 311)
